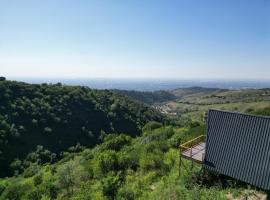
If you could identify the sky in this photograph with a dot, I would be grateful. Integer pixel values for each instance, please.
(170, 39)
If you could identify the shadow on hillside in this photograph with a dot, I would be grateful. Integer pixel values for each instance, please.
(210, 179)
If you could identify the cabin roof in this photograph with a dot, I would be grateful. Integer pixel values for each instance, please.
(238, 145)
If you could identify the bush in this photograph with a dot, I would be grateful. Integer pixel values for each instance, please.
(151, 126)
(17, 166)
(153, 162)
(32, 170)
(34, 195)
(2, 188)
(125, 193)
(47, 130)
(264, 111)
(37, 180)
(194, 124)
(110, 185)
(51, 190)
(115, 142)
(105, 162)
(14, 191)
(70, 175)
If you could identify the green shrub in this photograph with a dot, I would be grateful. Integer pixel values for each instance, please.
(125, 193)
(37, 179)
(105, 161)
(50, 190)
(2, 188)
(151, 126)
(194, 124)
(153, 162)
(110, 185)
(115, 142)
(69, 175)
(32, 170)
(34, 195)
(14, 191)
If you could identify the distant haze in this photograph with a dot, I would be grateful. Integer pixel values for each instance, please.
(151, 84)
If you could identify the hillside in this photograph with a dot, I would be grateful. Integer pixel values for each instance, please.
(43, 125)
(57, 117)
(192, 107)
(125, 168)
(183, 92)
(149, 97)
(163, 96)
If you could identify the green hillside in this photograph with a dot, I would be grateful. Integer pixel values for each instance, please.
(149, 97)
(58, 117)
(192, 107)
(124, 168)
(66, 142)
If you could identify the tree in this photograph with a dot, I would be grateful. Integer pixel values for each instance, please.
(2, 78)
(69, 175)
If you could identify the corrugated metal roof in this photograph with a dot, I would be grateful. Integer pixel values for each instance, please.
(238, 145)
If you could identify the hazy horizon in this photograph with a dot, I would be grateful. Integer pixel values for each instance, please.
(149, 84)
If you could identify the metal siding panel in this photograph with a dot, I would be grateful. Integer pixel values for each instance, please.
(247, 141)
(249, 158)
(238, 145)
(266, 163)
(228, 144)
(238, 133)
(260, 156)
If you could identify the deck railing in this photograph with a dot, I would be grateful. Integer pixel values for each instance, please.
(187, 147)
(189, 144)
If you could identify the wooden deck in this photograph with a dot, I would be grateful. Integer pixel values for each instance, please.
(195, 153)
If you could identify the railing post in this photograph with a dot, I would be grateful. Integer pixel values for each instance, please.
(180, 161)
(191, 158)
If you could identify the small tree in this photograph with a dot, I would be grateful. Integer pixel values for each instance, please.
(69, 175)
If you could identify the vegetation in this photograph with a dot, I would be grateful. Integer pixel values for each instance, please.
(123, 167)
(38, 122)
(65, 142)
(149, 97)
(193, 107)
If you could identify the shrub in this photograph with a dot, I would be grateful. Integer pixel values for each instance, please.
(153, 162)
(105, 161)
(125, 193)
(115, 142)
(194, 124)
(2, 188)
(151, 126)
(47, 130)
(34, 195)
(70, 175)
(50, 190)
(37, 180)
(14, 191)
(110, 185)
(16, 165)
(31, 170)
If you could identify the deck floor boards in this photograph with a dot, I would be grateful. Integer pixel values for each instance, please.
(195, 153)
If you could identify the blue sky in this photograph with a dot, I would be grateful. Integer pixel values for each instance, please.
(181, 39)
